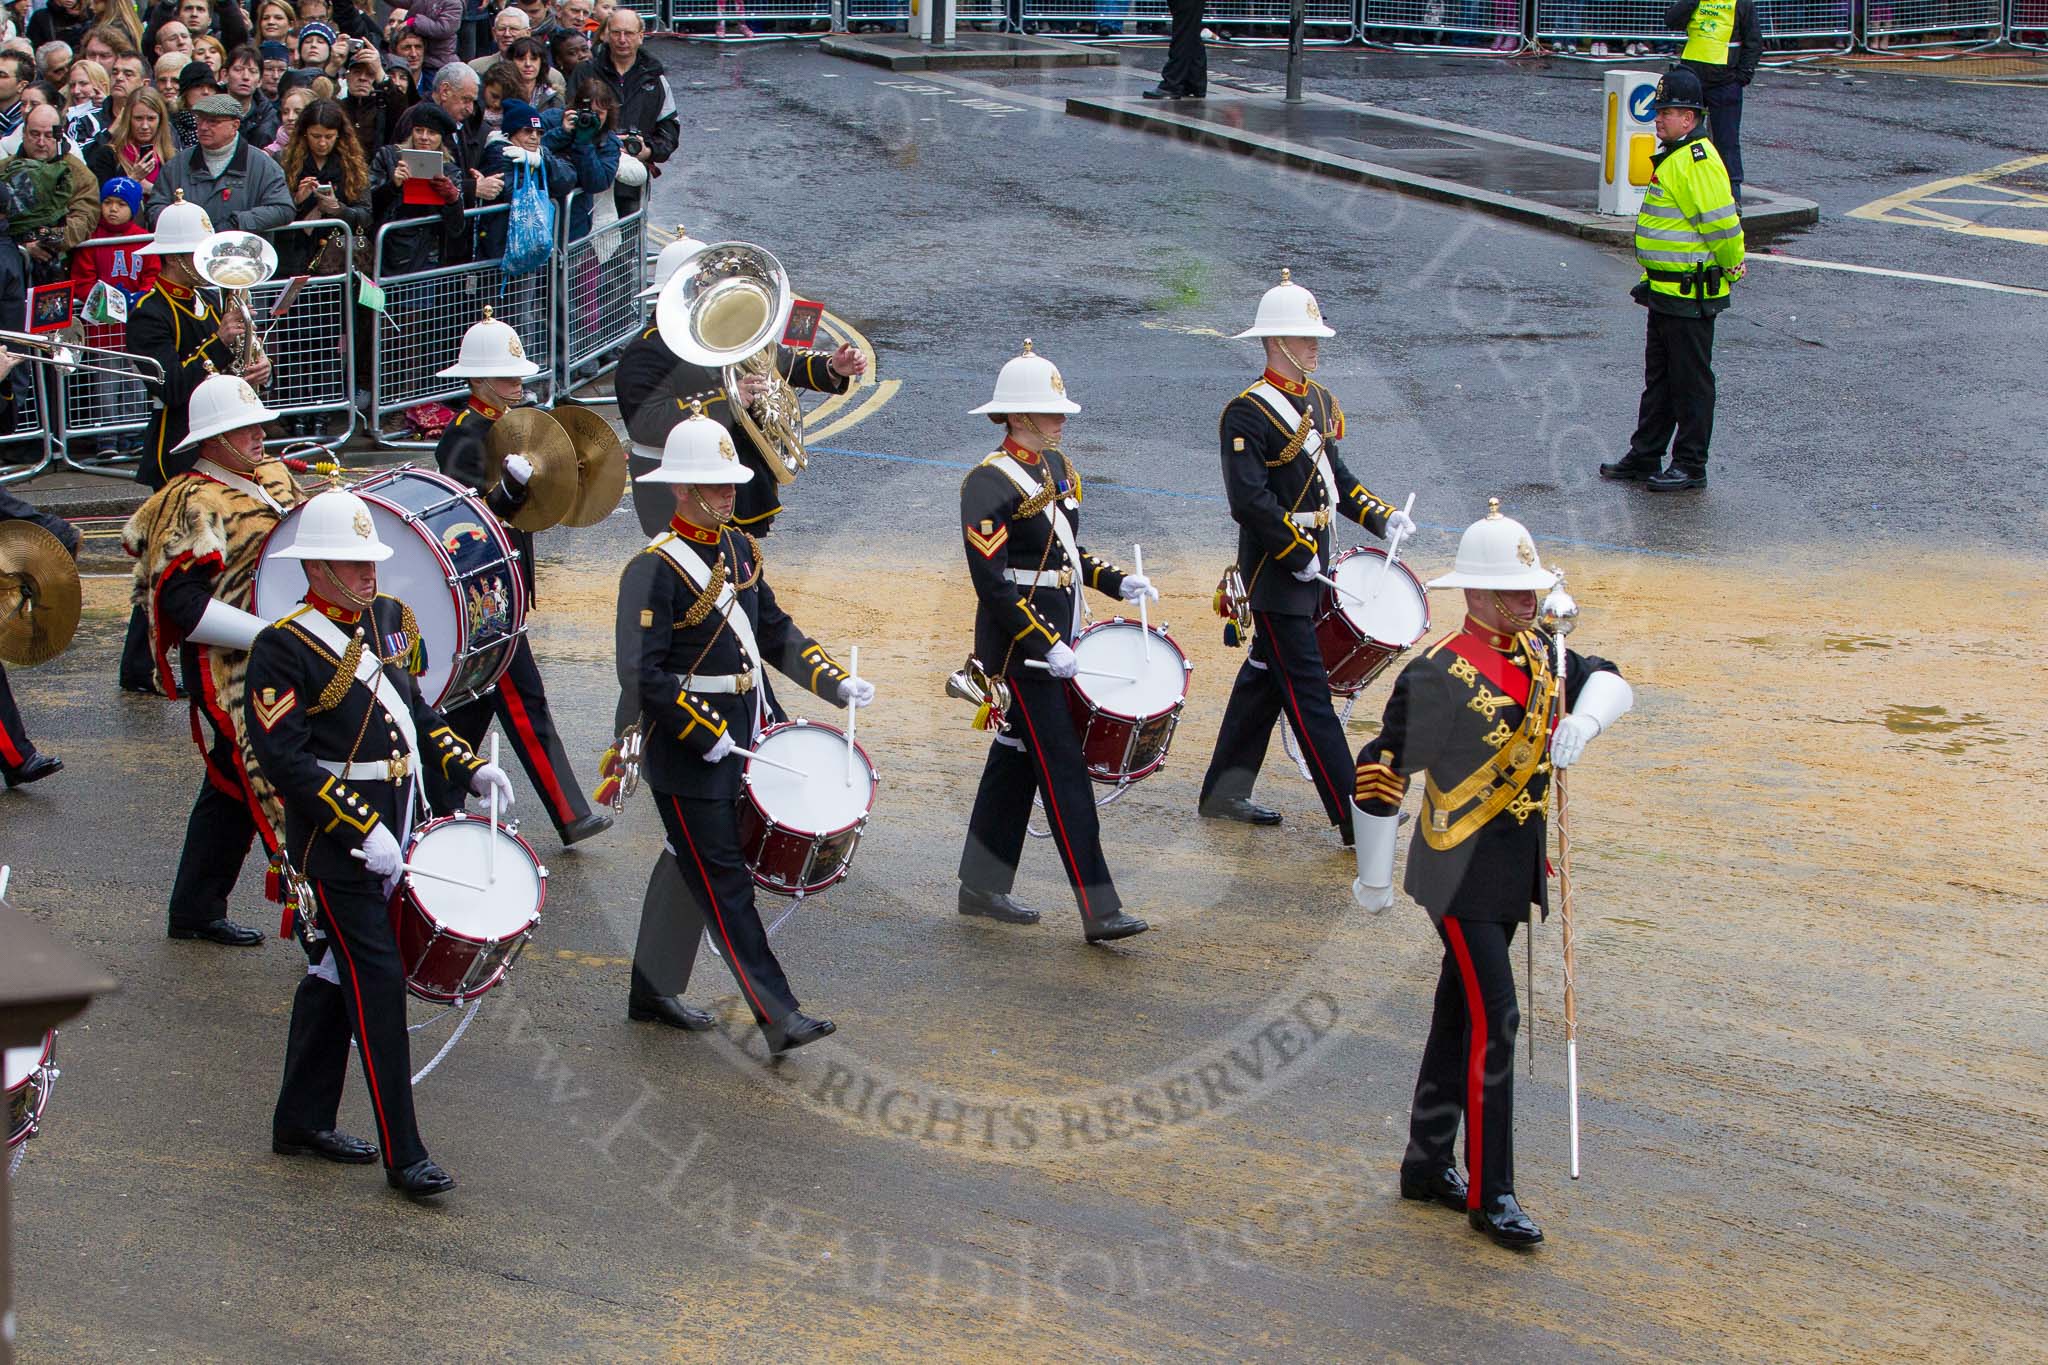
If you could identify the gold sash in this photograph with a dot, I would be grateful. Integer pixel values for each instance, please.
(1502, 779)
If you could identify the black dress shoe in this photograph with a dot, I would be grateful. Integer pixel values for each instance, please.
(1676, 478)
(1158, 92)
(595, 823)
(36, 769)
(1239, 808)
(330, 1144)
(421, 1180)
(1502, 1219)
(1628, 469)
(225, 932)
(1116, 926)
(796, 1030)
(995, 905)
(668, 1009)
(1444, 1185)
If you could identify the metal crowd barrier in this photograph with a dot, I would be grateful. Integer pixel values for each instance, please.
(1444, 25)
(1323, 16)
(602, 276)
(28, 427)
(2026, 26)
(97, 419)
(703, 15)
(1933, 23)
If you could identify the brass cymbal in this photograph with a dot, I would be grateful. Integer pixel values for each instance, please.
(39, 594)
(600, 462)
(534, 433)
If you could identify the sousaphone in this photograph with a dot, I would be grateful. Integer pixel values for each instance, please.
(726, 308)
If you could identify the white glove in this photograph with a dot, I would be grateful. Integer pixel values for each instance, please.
(380, 852)
(1400, 524)
(1373, 837)
(717, 752)
(492, 776)
(856, 691)
(1061, 661)
(1136, 585)
(1308, 575)
(226, 626)
(1605, 699)
(518, 469)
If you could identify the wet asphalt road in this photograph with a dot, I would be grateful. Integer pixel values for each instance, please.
(634, 1194)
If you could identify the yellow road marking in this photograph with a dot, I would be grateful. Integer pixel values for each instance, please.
(883, 392)
(1910, 207)
(879, 392)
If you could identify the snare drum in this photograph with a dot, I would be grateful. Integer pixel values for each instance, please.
(1126, 727)
(457, 941)
(29, 1073)
(799, 830)
(452, 563)
(1359, 638)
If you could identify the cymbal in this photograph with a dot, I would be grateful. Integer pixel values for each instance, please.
(39, 594)
(534, 433)
(601, 465)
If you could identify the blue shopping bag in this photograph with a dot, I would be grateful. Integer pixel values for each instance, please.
(530, 236)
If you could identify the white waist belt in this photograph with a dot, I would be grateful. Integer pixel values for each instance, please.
(1040, 578)
(383, 770)
(1318, 518)
(718, 684)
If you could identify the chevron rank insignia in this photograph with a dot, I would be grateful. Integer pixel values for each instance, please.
(988, 538)
(271, 708)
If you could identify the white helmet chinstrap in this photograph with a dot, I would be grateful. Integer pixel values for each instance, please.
(698, 450)
(223, 403)
(1029, 383)
(336, 525)
(1497, 552)
(1287, 310)
(490, 350)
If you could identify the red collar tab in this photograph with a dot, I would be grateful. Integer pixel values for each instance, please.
(483, 407)
(1295, 388)
(176, 291)
(1491, 638)
(692, 532)
(1507, 674)
(339, 615)
(1019, 453)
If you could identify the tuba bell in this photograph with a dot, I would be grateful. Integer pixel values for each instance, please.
(726, 308)
(235, 263)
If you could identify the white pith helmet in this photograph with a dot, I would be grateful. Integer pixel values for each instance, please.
(223, 403)
(490, 350)
(180, 228)
(1497, 552)
(1029, 383)
(670, 260)
(1287, 310)
(698, 450)
(336, 525)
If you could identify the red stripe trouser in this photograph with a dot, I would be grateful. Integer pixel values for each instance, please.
(1468, 1064)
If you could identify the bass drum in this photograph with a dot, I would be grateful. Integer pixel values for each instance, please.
(451, 562)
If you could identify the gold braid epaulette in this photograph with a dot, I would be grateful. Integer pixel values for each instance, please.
(708, 598)
(344, 674)
(754, 549)
(1294, 443)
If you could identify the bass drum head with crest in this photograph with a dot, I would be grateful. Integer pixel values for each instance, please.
(451, 562)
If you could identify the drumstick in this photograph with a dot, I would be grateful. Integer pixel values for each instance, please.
(1325, 578)
(1144, 618)
(1090, 672)
(767, 762)
(852, 714)
(416, 870)
(1393, 552)
(491, 849)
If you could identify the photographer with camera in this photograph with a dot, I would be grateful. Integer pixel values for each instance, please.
(51, 200)
(649, 128)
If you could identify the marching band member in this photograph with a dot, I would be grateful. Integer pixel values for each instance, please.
(1286, 483)
(656, 387)
(20, 761)
(1478, 715)
(197, 543)
(697, 622)
(1020, 508)
(495, 364)
(341, 729)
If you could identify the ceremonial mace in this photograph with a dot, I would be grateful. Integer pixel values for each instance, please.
(1559, 614)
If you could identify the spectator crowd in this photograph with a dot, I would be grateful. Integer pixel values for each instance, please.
(277, 113)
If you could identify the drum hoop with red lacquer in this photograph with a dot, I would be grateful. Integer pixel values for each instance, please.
(1353, 655)
(1125, 738)
(792, 851)
(454, 944)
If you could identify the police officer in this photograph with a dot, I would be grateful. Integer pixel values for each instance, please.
(1287, 483)
(1478, 715)
(357, 754)
(1020, 509)
(495, 364)
(1689, 244)
(1724, 41)
(197, 544)
(697, 623)
(656, 388)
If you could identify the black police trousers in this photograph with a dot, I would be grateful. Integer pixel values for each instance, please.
(1187, 60)
(1677, 410)
(1468, 1064)
(1283, 673)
